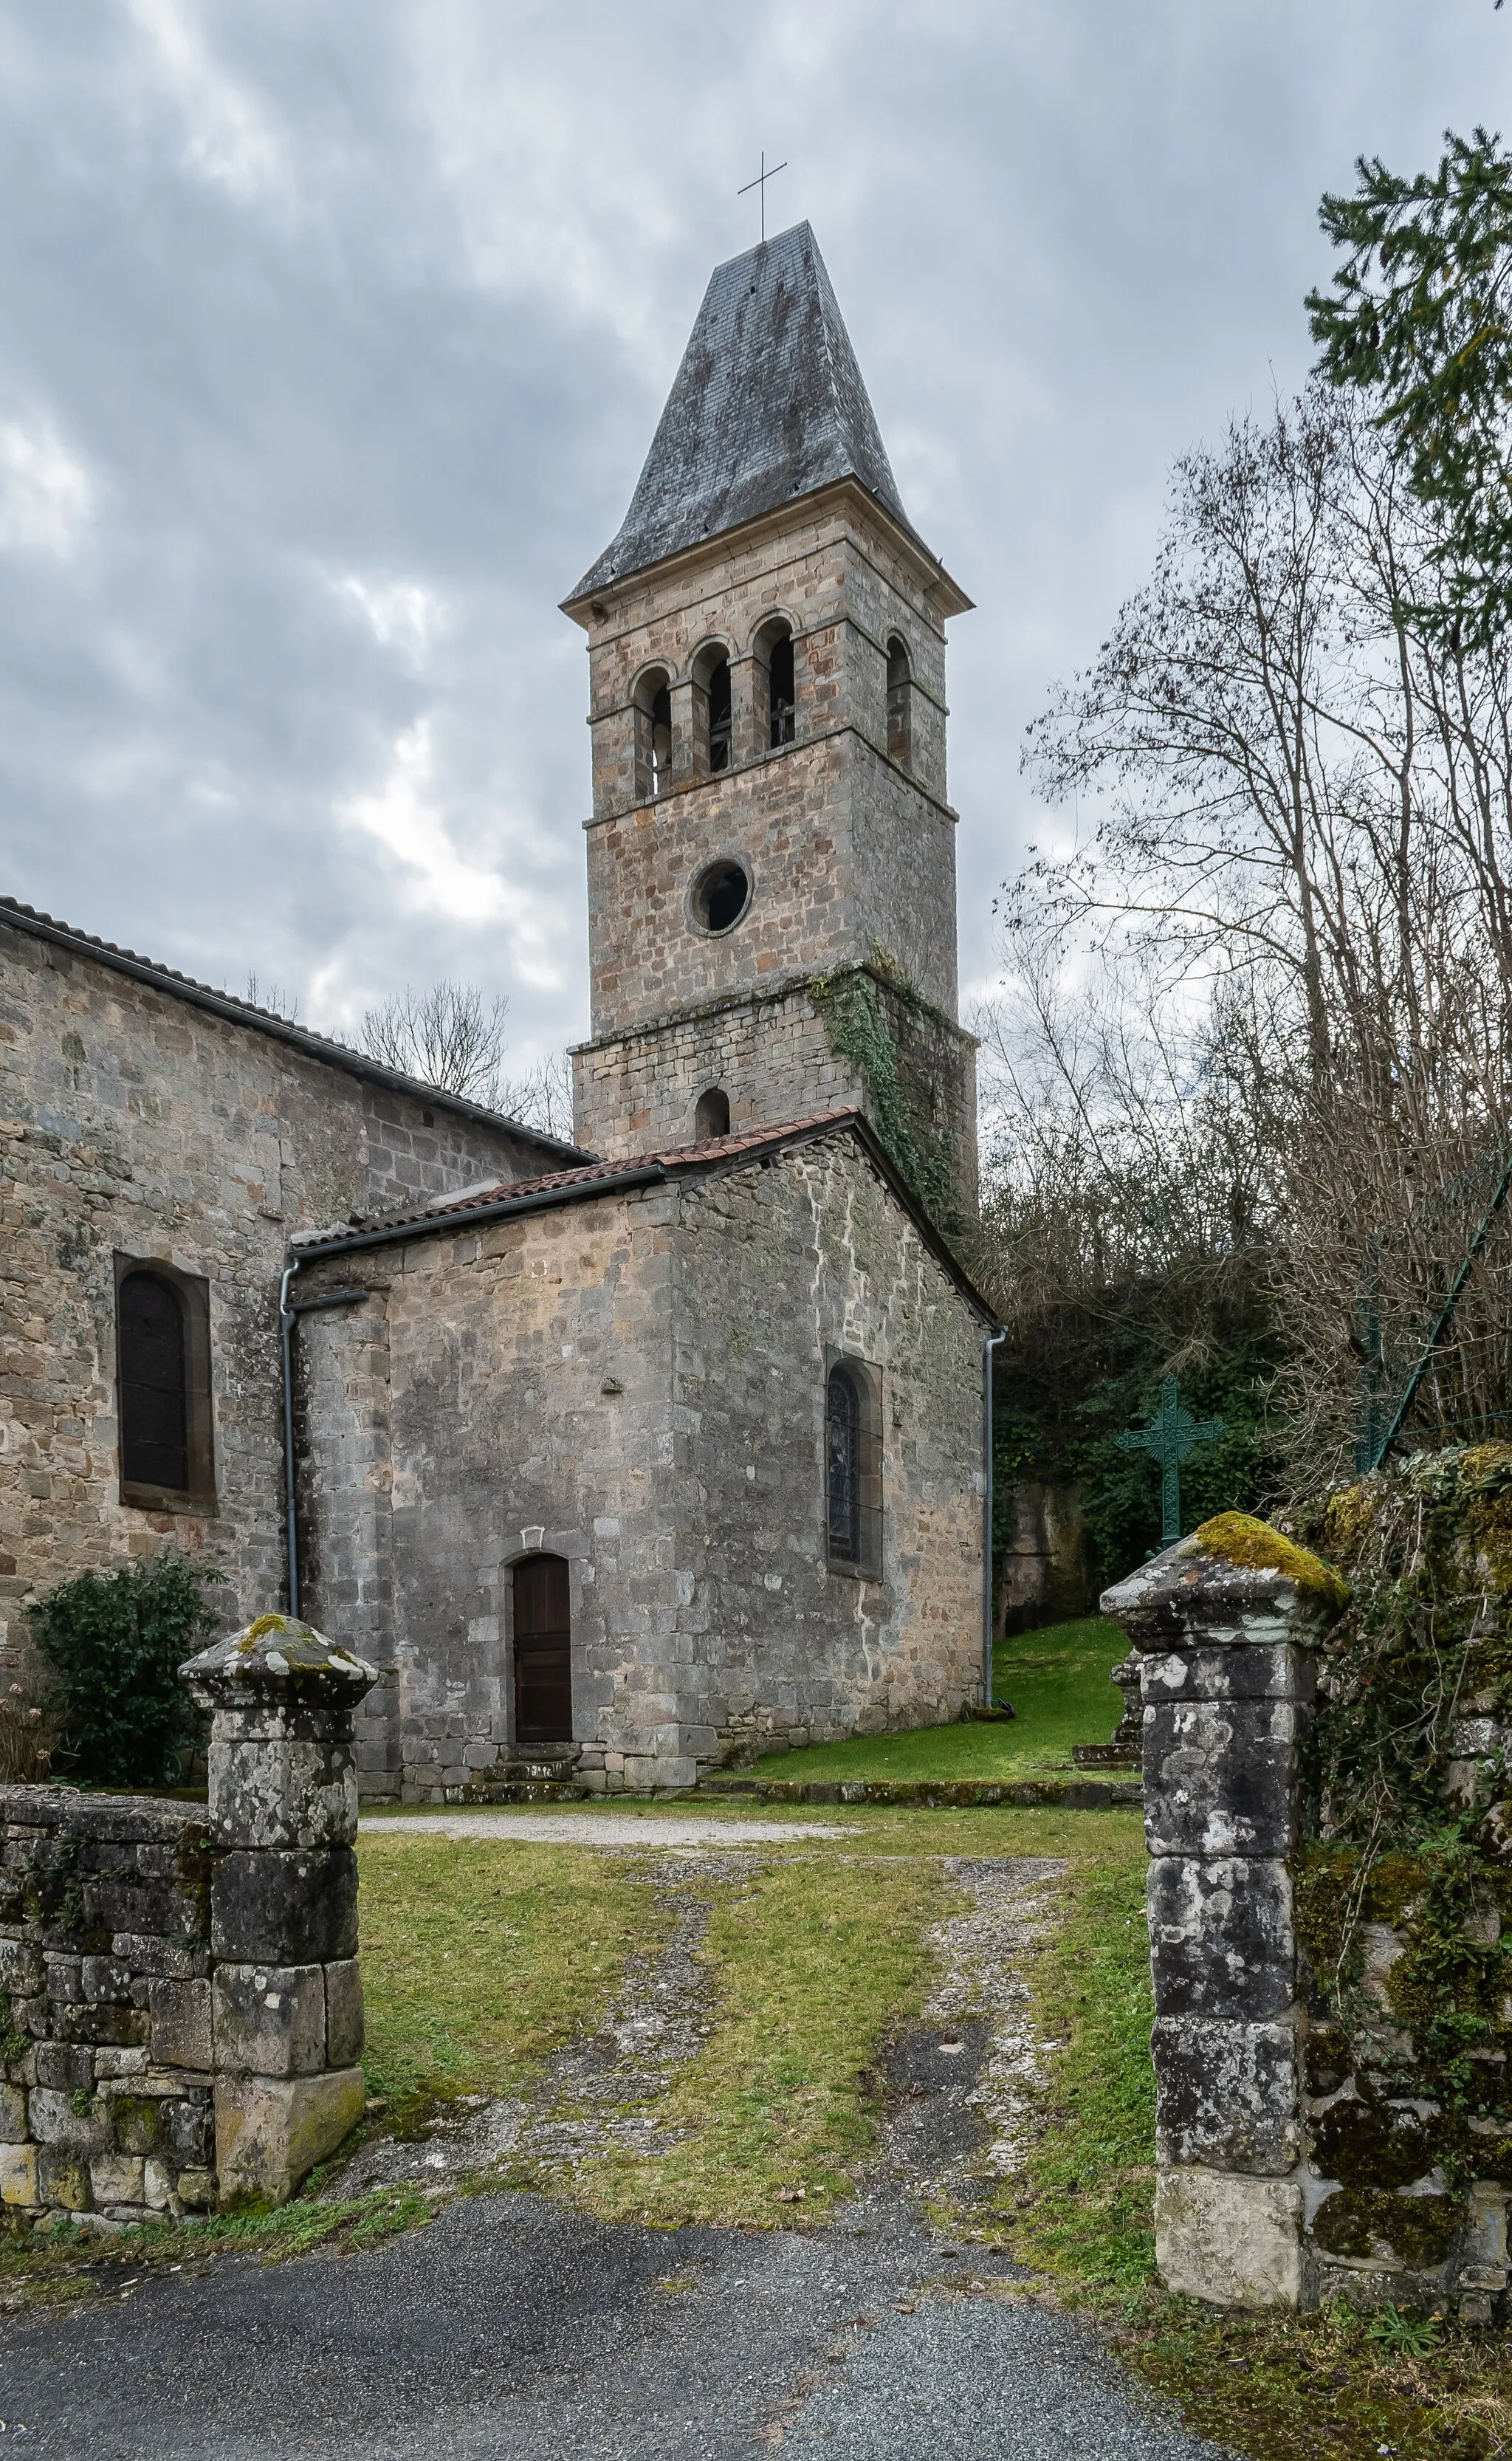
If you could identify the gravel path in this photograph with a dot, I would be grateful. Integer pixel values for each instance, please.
(634, 1830)
(514, 2329)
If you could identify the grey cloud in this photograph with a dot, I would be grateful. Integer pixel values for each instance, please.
(310, 295)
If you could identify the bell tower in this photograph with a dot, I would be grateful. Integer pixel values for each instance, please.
(771, 856)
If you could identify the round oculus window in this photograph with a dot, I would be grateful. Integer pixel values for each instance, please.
(721, 895)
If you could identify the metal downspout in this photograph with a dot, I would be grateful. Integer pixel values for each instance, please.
(287, 1320)
(987, 1349)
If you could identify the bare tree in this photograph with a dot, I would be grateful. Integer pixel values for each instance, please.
(1304, 842)
(543, 1099)
(449, 1036)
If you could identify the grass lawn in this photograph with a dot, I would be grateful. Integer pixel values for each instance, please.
(478, 1958)
(1057, 1681)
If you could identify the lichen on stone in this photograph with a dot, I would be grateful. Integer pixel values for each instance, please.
(1240, 1538)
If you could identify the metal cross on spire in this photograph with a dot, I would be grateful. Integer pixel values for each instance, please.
(760, 182)
(1170, 1436)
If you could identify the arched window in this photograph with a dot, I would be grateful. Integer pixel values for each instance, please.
(899, 714)
(775, 675)
(853, 1468)
(711, 1118)
(653, 734)
(162, 1385)
(543, 1638)
(711, 680)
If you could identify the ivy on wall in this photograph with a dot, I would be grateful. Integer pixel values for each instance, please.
(853, 1011)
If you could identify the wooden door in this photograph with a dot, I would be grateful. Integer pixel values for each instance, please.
(543, 1651)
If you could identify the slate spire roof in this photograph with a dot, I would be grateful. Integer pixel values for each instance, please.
(768, 404)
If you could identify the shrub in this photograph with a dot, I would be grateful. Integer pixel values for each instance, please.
(115, 1640)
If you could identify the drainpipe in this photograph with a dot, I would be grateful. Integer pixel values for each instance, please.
(988, 1348)
(287, 1320)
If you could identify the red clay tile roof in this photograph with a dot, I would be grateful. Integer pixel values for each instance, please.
(639, 1171)
(664, 1162)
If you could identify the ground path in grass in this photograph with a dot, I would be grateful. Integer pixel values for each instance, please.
(518, 2328)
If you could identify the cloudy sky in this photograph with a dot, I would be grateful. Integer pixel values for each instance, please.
(333, 336)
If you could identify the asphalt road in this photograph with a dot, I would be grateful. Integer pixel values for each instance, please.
(513, 2326)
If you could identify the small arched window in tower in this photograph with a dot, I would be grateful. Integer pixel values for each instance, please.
(719, 715)
(661, 739)
(711, 1118)
(162, 1385)
(853, 1468)
(781, 691)
(653, 734)
(899, 716)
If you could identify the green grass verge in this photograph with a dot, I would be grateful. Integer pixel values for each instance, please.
(1057, 1681)
(814, 1964)
(479, 1958)
(1083, 2208)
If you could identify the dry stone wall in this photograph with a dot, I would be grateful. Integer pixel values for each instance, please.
(181, 2006)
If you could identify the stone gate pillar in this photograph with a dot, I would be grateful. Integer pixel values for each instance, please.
(284, 1987)
(1225, 1626)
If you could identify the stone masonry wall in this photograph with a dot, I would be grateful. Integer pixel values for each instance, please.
(783, 1270)
(772, 1056)
(636, 1383)
(851, 856)
(181, 2006)
(132, 1120)
(107, 2105)
(834, 573)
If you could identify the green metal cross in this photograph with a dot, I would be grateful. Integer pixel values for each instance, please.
(1170, 1436)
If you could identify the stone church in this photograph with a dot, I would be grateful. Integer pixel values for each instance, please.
(630, 1458)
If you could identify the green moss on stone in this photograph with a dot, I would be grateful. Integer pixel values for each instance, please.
(1239, 1538)
(1370, 2144)
(1348, 1517)
(1323, 1889)
(1420, 2230)
(1396, 1882)
(1330, 2059)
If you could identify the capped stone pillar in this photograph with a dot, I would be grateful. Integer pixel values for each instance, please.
(1225, 1626)
(284, 1987)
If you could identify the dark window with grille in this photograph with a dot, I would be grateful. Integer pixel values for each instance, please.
(163, 1385)
(853, 1468)
(543, 1651)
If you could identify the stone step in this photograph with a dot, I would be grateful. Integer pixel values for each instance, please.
(517, 1790)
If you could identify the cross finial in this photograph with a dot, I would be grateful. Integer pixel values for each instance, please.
(760, 182)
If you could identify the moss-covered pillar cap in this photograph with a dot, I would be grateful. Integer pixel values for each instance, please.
(277, 1657)
(1235, 1580)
